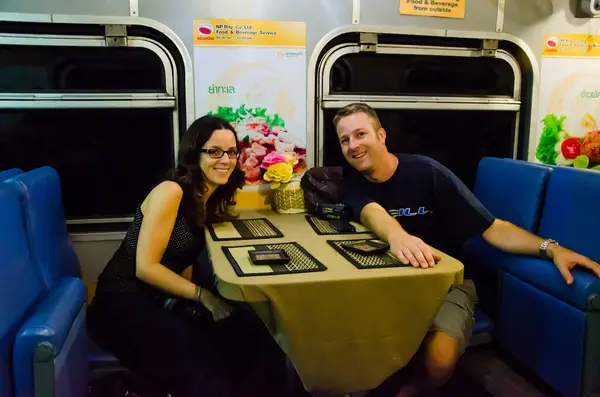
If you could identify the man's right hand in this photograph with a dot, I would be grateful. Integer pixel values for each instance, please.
(413, 250)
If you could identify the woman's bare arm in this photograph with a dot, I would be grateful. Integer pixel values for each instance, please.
(160, 213)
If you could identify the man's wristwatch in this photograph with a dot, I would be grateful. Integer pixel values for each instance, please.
(544, 248)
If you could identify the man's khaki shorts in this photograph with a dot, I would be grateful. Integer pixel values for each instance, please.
(457, 314)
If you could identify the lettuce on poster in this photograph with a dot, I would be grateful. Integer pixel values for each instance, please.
(558, 147)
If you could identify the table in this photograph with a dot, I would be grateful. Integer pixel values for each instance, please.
(345, 329)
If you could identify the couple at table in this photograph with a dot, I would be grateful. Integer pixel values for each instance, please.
(410, 201)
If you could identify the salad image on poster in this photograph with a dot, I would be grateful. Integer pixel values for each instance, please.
(252, 73)
(263, 138)
(568, 132)
(558, 146)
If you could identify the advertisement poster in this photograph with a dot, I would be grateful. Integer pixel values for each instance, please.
(569, 103)
(253, 74)
(434, 8)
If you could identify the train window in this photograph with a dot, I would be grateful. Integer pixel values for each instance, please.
(457, 139)
(80, 69)
(107, 118)
(411, 74)
(108, 159)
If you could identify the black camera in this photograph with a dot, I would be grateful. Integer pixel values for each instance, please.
(328, 211)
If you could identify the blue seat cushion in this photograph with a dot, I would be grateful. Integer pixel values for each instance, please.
(46, 229)
(512, 190)
(21, 286)
(71, 367)
(50, 324)
(483, 324)
(570, 213)
(478, 253)
(4, 175)
(582, 294)
(483, 264)
(544, 333)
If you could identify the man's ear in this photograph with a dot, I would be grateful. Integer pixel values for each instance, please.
(381, 134)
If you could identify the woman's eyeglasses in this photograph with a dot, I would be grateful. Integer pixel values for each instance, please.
(216, 153)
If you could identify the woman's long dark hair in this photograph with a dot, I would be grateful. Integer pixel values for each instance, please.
(192, 180)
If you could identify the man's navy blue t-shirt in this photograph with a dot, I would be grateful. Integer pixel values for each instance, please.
(426, 198)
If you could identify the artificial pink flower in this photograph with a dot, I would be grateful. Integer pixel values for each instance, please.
(272, 158)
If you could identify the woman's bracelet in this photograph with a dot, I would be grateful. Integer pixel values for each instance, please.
(198, 293)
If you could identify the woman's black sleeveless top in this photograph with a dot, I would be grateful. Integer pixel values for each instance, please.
(183, 250)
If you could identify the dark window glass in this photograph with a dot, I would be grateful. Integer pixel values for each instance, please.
(79, 69)
(108, 159)
(421, 75)
(457, 139)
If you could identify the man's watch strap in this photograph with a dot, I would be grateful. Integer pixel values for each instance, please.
(543, 253)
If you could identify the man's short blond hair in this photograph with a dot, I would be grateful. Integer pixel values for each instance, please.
(357, 108)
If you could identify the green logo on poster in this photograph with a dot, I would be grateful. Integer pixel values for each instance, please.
(221, 89)
(585, 94)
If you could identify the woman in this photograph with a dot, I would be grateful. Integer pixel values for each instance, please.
(185, 355)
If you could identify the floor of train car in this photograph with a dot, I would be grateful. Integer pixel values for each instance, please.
(481, 372)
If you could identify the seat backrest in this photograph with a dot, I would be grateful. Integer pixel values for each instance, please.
(46, 225)
(512, 190)
(20, 283)
(570, 213)
(4, 175)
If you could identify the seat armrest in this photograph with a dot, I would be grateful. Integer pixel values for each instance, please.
(584, 293)
(51, 321)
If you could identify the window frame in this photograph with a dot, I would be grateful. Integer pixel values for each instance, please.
(488, 44)
(338, 52)
(328, 100)
(98, 100)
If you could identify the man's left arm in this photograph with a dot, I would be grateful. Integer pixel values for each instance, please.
(511, 238)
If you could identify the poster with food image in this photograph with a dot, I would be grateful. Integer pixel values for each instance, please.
(253, 74)
(569, 102)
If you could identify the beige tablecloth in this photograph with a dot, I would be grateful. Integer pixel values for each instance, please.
(344, 329)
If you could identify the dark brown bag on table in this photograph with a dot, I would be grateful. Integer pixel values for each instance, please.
(321, 185)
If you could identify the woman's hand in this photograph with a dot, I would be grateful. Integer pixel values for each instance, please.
(219, 308)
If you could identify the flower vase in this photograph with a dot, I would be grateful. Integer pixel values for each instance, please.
(288, 198)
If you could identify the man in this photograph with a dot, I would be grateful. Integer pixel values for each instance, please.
(412, 201)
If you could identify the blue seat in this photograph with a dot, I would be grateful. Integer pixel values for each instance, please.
(482, 329)
(51, 348)
(549, 326)
(50, 241)
(4, 175)
(512, 190)
(46, 225)
(50, 351)
(21, 286)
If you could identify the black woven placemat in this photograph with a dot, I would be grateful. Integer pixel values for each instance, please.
(360, 261)
(247, 229)
(323, 227)
(300, 260)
